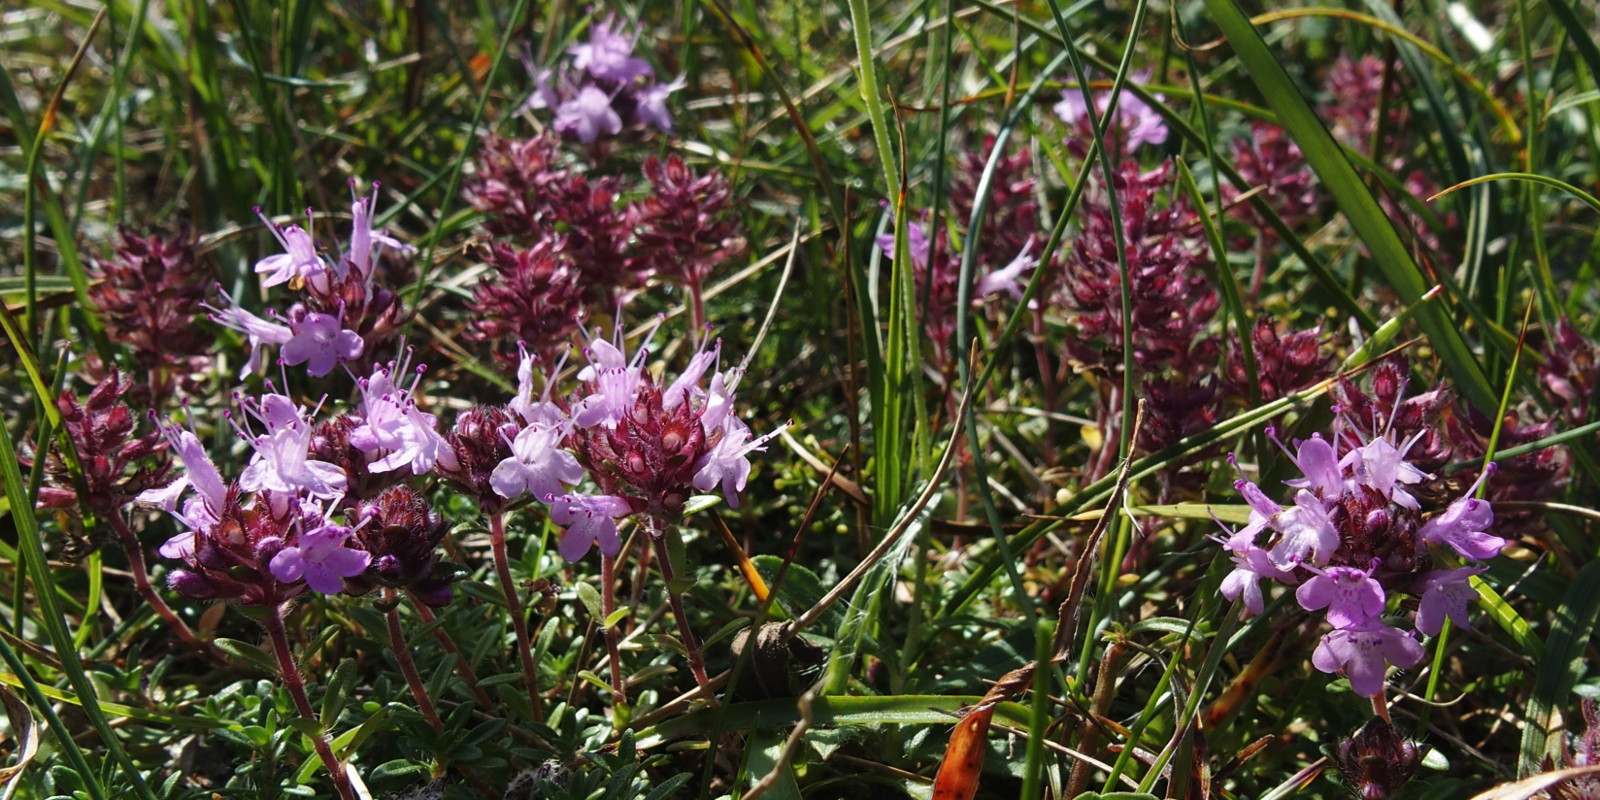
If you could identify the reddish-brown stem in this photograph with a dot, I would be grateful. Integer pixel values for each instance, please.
(408, 667)
(1380, 706)
(519, 621)
(608, 601)
(141, 582)
(297, 690)
(463, 666)
(697, 306)
(664, 561)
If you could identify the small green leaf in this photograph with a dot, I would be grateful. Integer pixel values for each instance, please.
(701, 502)
(590, 598)
(248, 653)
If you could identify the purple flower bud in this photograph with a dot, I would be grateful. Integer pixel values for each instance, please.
(1377, 760)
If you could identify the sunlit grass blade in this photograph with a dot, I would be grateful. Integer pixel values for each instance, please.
(1561, 664)
(1360, 208)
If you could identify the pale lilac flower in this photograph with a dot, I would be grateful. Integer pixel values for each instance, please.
(281, 463)
(687, 383)
(728, 464)
(320, 556)
(1308, 535)
(1380, 465)
(299, 259)
(320, 342)
(588, 116)
(367, 244)
(541, 411)
(1262, 512)
(1139, 122)
(719, 398)
(257, 331)
(652, 105)
(1363, 654)
(543, 95)
(393, 423)
(1446, 593)
(537, 465)
(1007, 279)
(919, 247)
(1350, 594)
(200, 512)
(590, 520)
(1320, 462)
(1251, 564)
(1464, 525)
(615, 382)
(608, 55)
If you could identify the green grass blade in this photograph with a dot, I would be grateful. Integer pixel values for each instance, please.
(1563, 662)
(1327, 159)
(38, 571)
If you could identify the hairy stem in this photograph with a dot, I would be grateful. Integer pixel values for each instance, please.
(519, 620)
(141, 581)
(297, 690)
(659, 542)
(608, 599)
(408, 667)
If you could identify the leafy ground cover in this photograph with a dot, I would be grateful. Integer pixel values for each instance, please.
(941, 400)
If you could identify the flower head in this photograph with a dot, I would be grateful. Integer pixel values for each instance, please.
(320, 556)
(608, 55)
(115, 466)
(299, 261)
(1377, 760)
(395, 426)
(150, 295)
(588, 115)
(403, 534)
(1364, 652)
(591, 520)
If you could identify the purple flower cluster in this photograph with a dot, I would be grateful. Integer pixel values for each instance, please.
(1286, 361)
(1351, 536)
(936, 272)
(309, 509)
(644, 448)
(1011, 223)
(1270, 161)
(150, 293)
(345, 312)
(1133, 125)
(603, 89)
(116, 466)
(566, 243)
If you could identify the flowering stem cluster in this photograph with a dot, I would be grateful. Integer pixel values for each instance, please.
(1351, 538)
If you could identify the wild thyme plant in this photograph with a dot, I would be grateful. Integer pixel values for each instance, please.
(479, 484)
